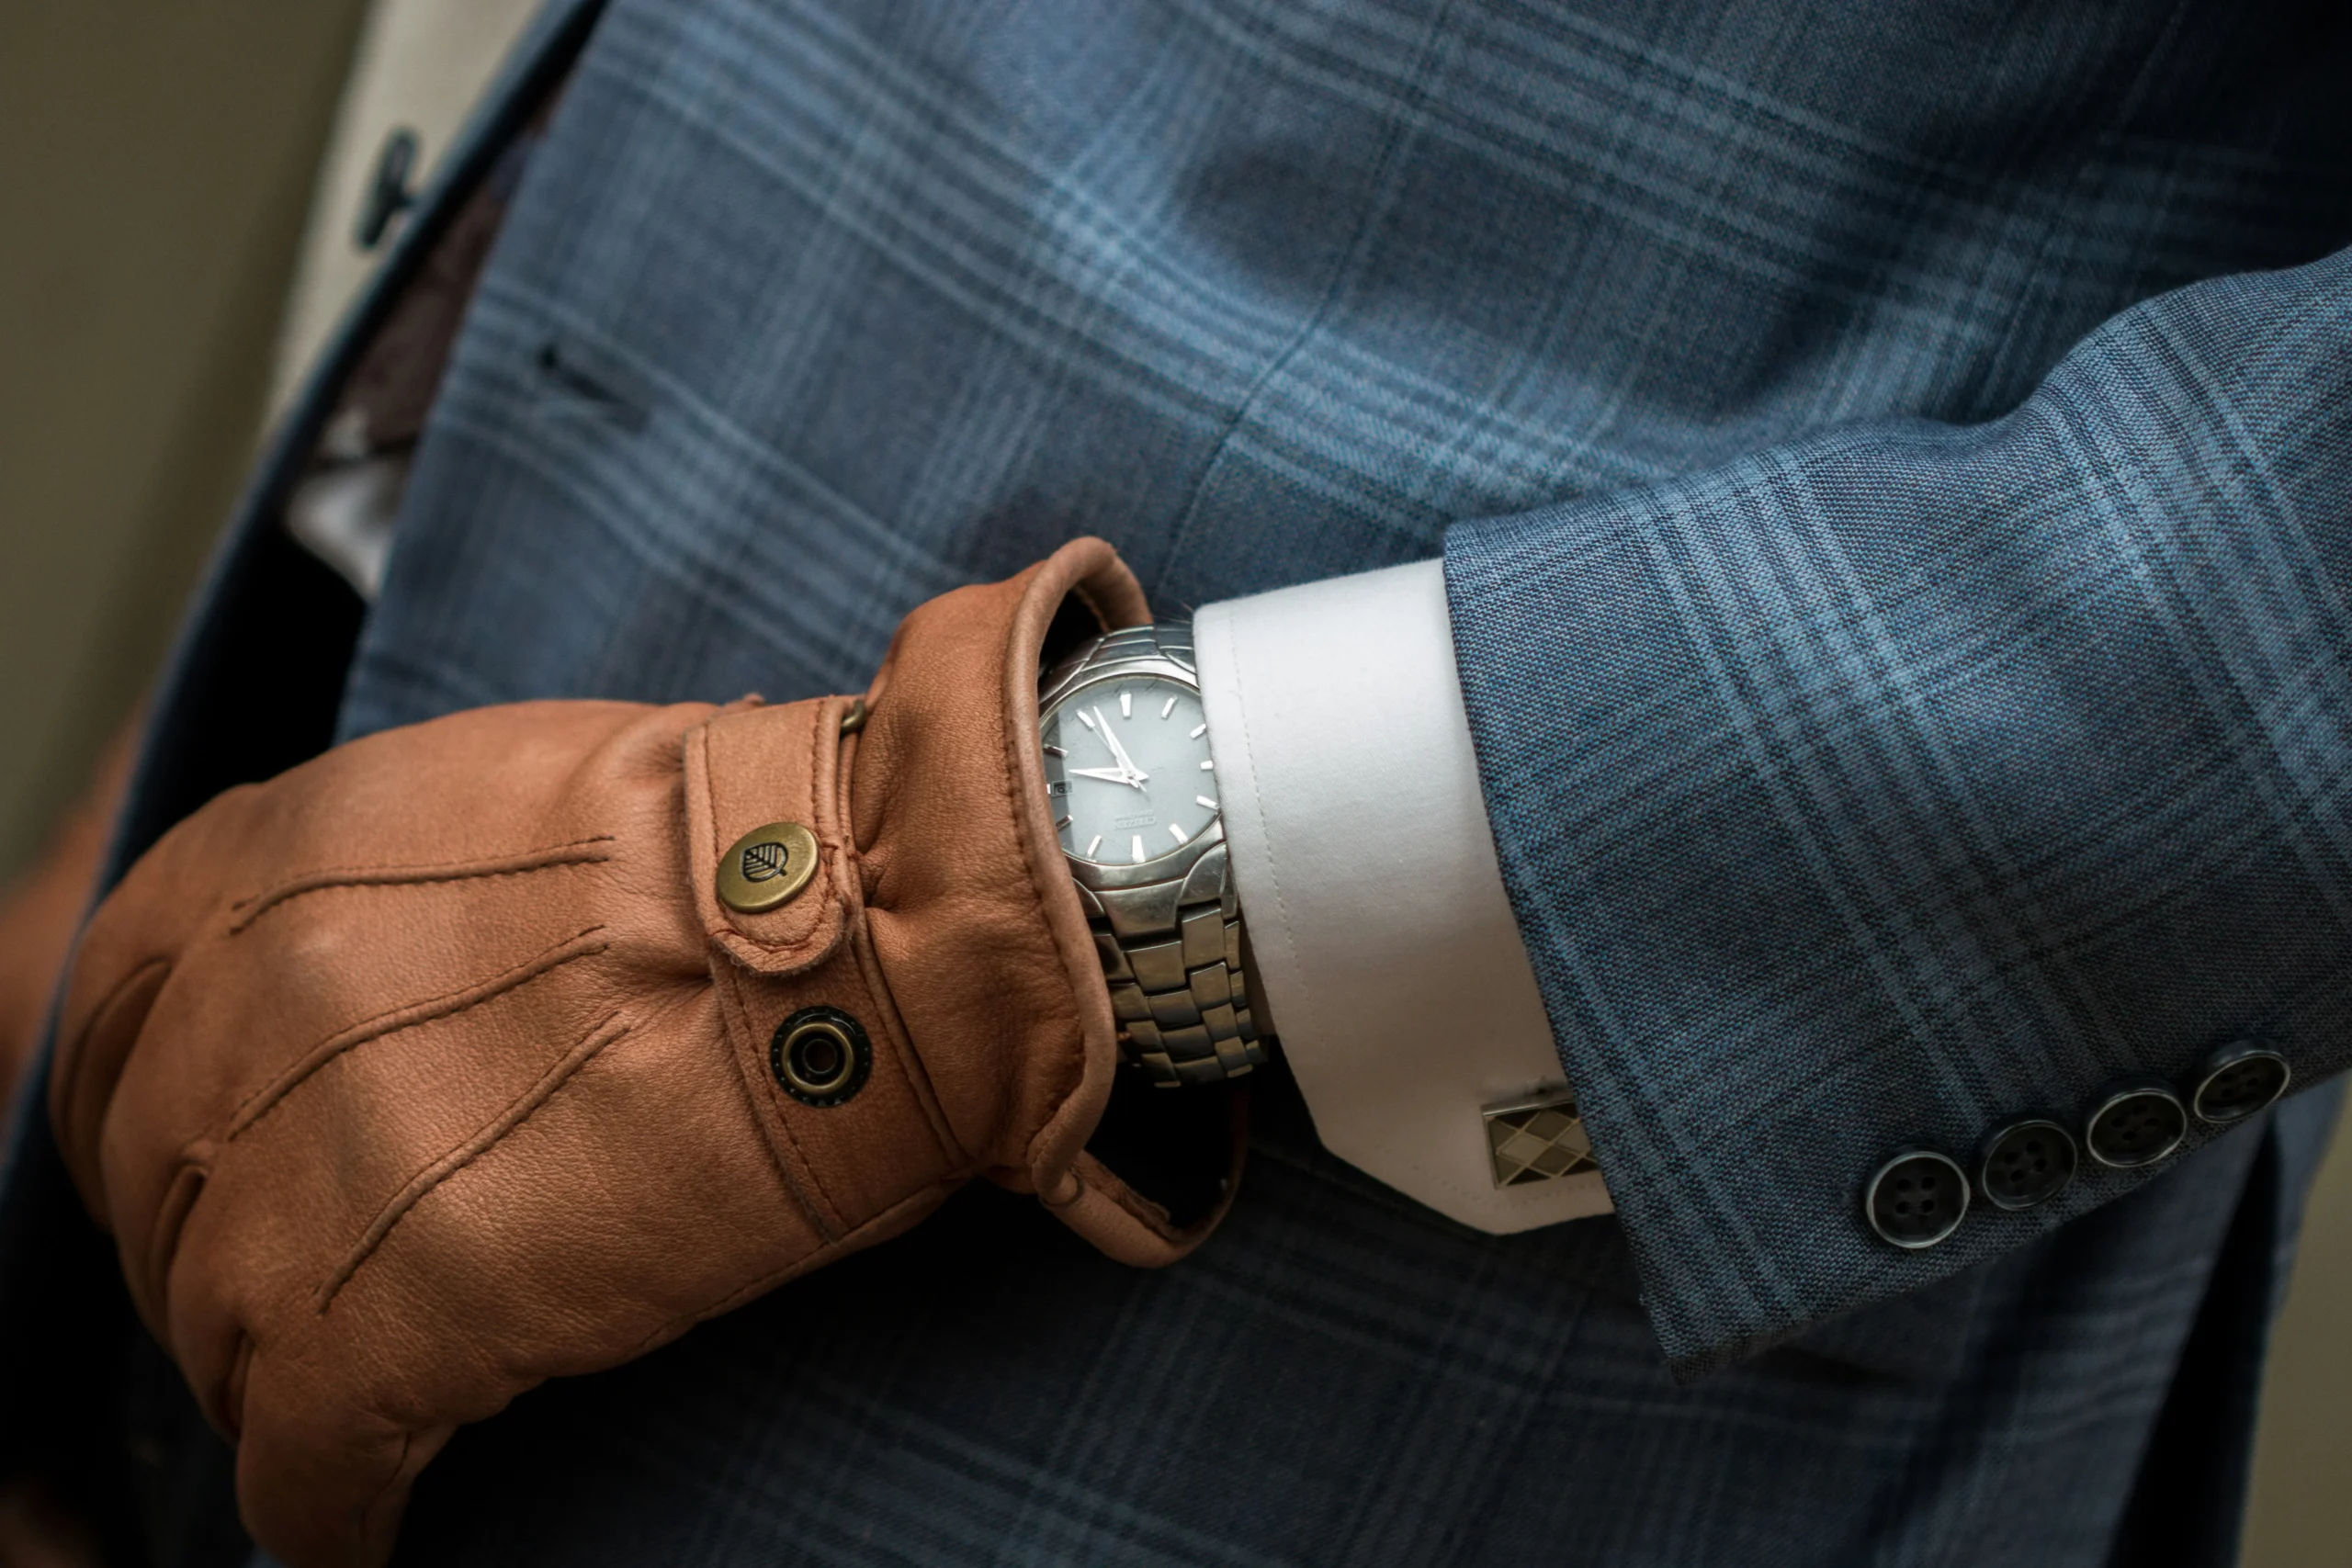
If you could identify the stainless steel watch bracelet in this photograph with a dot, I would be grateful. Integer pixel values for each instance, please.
(1171, 945)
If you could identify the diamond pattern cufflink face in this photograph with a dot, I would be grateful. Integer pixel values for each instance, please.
(1537, 1139)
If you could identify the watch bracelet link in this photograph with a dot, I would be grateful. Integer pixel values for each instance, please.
(1172, 951)
(1182, 1006)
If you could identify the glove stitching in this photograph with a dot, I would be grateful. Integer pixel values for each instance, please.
(825, 1220)
(578, 852)
(849, 891)
(234, 1387)
(371, 1518)
(584, 944)
(1039, 898)
(819, 714)
(856, 936)
(611, 1031)
(894, 1025)
(80, 1052)
(189, 1179)
(1111, 1185)
(727, 982)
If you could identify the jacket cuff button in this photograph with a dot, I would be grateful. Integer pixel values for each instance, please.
(2237, 1080)
(2135, 1124)
(2026, 1162)
(1916, 1199)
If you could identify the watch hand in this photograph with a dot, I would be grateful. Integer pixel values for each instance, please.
(1108, 775)
(1118, 754)
(1135, 776)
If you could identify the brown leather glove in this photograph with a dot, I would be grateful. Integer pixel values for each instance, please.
(437, 1067)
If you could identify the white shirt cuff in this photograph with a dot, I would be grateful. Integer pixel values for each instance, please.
(1392, 967)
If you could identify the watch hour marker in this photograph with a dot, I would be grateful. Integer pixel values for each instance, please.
(1126, 705)
(1056, 751)
(1137, 849)
(1064, 822)
(1205, 800)
(1177, 832)
(1198, 730)
(1169, 709)
(1094, 846)
(1207, 766)
(1085, 718)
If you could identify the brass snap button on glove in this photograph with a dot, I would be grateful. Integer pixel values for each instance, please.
(767, 867)
(515, 1044)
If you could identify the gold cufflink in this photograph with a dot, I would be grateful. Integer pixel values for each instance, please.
(766, 867)
(1541, 1138)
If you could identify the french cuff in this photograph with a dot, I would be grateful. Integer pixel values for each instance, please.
(1392, 967)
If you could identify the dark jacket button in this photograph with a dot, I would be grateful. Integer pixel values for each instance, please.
(2238, 1081)
(389, 192)
(1916, 1198)
(2135, 1124)
(2028, 1161)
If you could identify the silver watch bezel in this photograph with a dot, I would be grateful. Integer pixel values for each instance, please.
(1077, 674)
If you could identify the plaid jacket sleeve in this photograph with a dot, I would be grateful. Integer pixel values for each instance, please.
(1870, 791)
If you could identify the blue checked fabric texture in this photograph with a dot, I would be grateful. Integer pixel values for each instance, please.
(1893, 783)
(1892, 461)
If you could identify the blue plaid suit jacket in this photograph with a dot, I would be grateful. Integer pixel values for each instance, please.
(1891, 463)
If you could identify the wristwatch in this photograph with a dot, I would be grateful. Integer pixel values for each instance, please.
(1134, 797)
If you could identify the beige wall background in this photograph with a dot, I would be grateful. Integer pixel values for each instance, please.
(157, 162)
(157, 159)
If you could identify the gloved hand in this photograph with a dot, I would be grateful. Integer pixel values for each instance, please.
(437, 1066)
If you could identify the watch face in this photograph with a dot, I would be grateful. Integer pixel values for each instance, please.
(1127, 766)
